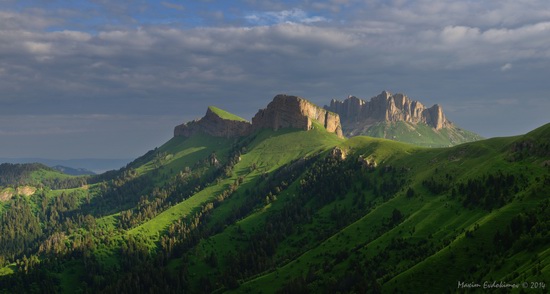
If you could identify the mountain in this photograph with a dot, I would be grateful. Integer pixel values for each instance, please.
(283, 112)
(289, 206)
(294, 112)
(26, 179)
(73, 171)
(34, 174)
(399, 118)
(217, 123)
(96, 165)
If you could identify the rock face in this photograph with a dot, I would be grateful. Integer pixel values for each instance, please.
(388, 107)
(283, 112)
(399, 118)
(213, 125)
(294, 112)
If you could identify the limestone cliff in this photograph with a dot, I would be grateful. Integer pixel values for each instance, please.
(283, 112)
(388, 107)
(214, 125)
(294, 112)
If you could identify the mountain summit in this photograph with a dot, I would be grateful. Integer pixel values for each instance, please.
(294, 112)
(391, 108)
(399, 118)
(217, 123)
(284, 111)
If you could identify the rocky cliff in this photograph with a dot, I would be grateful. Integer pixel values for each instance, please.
(399, 118)
(283, 112)
(390, 108)
(214, 125)
(294, 112)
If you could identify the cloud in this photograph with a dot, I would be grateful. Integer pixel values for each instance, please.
(26, 20)
(129, 64)
(173, 5)
(38, 48)
(137, 62)
(506, 67)
(334, 6)
(295, 15)
(153, 61)
(459, 34)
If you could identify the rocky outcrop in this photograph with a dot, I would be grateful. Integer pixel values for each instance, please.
(388, 107)
(283, 112)
(367, 163)
(212, 124)
(7, 193)
(294, 112)
(338, 153)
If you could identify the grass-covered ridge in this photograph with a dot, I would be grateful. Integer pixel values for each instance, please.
(225, 115)
(291, 211)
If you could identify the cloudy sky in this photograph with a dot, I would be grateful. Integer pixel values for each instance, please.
(110, 79)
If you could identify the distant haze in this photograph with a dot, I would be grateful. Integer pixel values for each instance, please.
(110, 79)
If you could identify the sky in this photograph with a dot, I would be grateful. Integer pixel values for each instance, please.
(110, 79)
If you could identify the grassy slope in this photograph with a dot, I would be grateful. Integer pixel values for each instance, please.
(268, 151)
(48, 175)
(180, 152)
(172, 157)
(225, 115)
(433, 217)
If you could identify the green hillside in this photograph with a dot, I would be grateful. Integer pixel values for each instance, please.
(420, 134)
(291, 211)
(34, 174)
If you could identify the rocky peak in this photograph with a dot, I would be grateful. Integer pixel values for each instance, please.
(351, 106)
(284, 111)
(287, 111)
(388, 107)
(214, 125)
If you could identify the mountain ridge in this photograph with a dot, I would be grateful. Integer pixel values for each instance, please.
(96, 165)
(73, 171)
(385, 106)
(391, 116)
(383, 114)
(285, 111)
